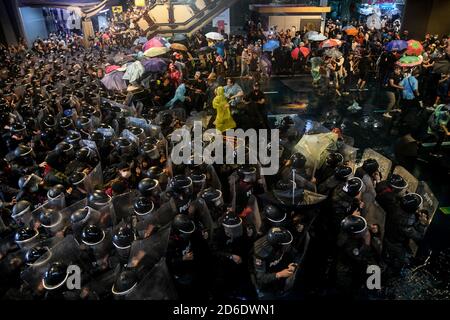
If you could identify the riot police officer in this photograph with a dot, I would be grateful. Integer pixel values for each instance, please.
(390, 191)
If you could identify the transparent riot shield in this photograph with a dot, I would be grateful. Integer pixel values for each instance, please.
(145, 253)
(349, 153)
(253, 220)
(65, 251)
(58, 202)
(203, 216)
(131, 137)
(94, 179)
(430, 202)
(385, 163)
(374, 214)
(412, 181)
(212, 179)
(156, 285)
(165, 214)
(91, 145)
(123, 205)
(53, 220)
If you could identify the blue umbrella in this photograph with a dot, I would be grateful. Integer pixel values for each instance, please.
(140, 40)
(271, 45)
(155, 65)
(178, 37)
(397, 45)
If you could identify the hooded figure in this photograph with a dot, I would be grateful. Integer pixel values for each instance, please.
(224, 120)
(180, 96)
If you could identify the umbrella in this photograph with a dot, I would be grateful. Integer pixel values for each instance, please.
(303, 50)
(333, 53)
(178, 46)
(348, 27)
(271, 45)
(140, 40)
(156, 51)
(410, 61)
(330, 43)
(156, 42)
(441, 66)
(310, 34)
(396, 45)
(351, 31)
(317, 37)
(415, 48)
(214, 36)
(179, 37)
(314, 148)
(154, 65)
(114, 81)
(205, 49)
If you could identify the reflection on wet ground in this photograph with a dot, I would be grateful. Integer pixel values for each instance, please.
(369, 129)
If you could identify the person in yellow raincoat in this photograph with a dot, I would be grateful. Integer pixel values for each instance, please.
(224, 120)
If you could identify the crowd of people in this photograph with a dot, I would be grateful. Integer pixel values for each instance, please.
(87, 178)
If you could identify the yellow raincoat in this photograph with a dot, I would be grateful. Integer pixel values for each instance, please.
(224, 120)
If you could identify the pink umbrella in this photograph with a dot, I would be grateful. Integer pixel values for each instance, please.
(156, 42)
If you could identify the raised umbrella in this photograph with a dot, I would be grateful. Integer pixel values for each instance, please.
(351, 31)
(310, 34)
(179, 37)
(156, 52)
(140, 40)
(415, 48)
(114, 81)
(317, 37)
(154, 65)
(271, 45)
(303, 50)
(348, 27)
(178, 46)
(214, 36)
(333, 53)
(410, 61)
(330, 43)
(156, 42)
(396, 45)
(205, 49)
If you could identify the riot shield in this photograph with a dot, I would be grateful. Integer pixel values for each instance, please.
(374, 214)
(385, 163)
(53, 223)
(412, 181)
(203, 216)
(157, 285)
(94, 179)
(123, 205)
(253, 220)
(212, 179)
(58, 202)
(430, 202)
(131, 137)
(165, 214)
(91, 145)
(65, 251)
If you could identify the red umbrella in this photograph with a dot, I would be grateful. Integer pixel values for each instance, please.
(304, 50)
(415, 48)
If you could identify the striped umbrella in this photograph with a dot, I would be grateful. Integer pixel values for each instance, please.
(415, 48)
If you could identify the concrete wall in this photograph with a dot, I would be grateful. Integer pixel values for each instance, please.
(33, 22)
(439, 20)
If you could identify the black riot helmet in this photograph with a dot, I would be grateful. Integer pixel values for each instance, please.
(147, 186)
(28, 183)
(123, 145)
(125, 282)
(83, 122)
(92, 235)
(55, 191)
(35, 253)
(55, 276)
(273, 214)
(279, 236)
(49, 121)
(232, 225)
(65, 123)
(77, 178)
(354, 224)
(150, 150)
(181, 185)
(18, 128)
(143, 206)
(83, 154)
(123, 237)
(49, 217)
(353, 186)
(397, 182)
(154, 172)
(97, 137)
(22, 151)
(183, 224)
(98, 198)
(370, 166)
(20, 208)
(64, 148)
(247, 173)
(334, 159)
(212, 197)
(298, 161)
(136, 131)
(411, 202)
(25, 234)
(79, 215)
(343, 172)
(73, 137)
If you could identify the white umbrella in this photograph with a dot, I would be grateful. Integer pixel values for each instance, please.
(214, 36)
(317, 37)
